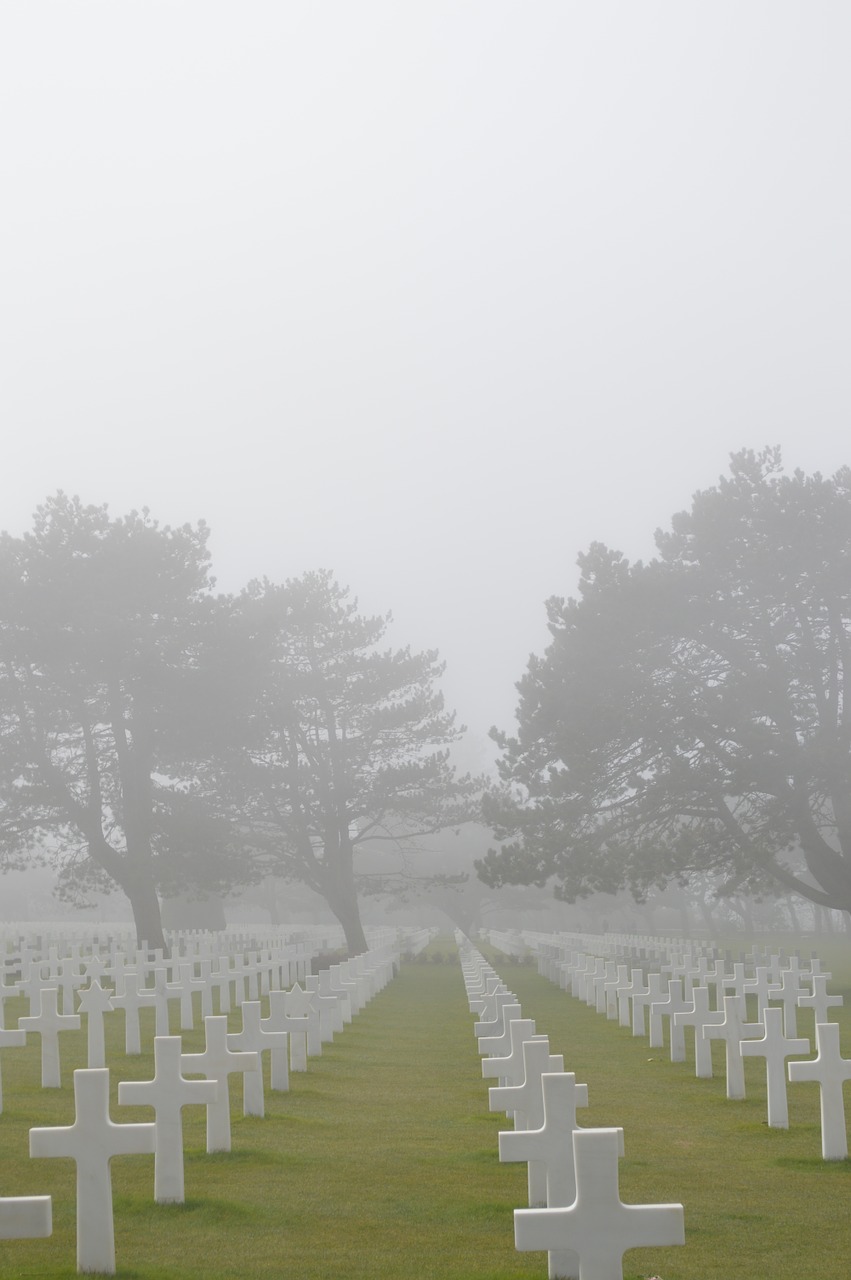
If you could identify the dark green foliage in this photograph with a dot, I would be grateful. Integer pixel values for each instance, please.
(690, 715)
(345, 743)
(102, 626)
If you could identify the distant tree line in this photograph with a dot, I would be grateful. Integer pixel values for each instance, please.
(158, 737)
(689, 723)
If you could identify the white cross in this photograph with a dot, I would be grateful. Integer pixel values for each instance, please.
(217, 1062)
(666, 1008)
(775, 1048)
(168, 1093)
(508, 1069)
(254, 1036)
(131, 1000)
(642, 999)
(819, 1001)
(762, 987)
(49, 1022)
(787, 993)
(733, 1030)
(624, 993)
(525, 1103)
(598, 1226)
(330, 1006)
(92, 1140)
(552, 1143)
(734, 984)
(281, 1019)
(699, 1016)
(499, 1043)
(492, 1020)
(830, 1070)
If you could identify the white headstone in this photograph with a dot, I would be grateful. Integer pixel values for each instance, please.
(255, 1037)
(775, 1048)
(92, 1140)
(26, 1217)
(217, 1062)
(830, 1071)
(598, 1227)
(168, 1093)
(733, 1030)
(48, 1023)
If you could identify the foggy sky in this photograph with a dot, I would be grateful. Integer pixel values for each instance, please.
(432, 295)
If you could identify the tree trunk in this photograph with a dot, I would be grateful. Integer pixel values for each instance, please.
(146, 916)
(342, 898)
(341, 895)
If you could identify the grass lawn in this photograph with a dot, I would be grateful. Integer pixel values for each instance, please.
(760, 1203)
(381, 1161)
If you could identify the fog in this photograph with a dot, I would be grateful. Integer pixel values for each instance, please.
(432, 296)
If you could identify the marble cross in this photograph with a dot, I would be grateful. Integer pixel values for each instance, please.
(786, 993)
(673, 1003)
(699, 1016)
(508, 1067)
(597, 1227)
(168, 1093)
(733, 1030)
(775, 1047)
(131, 1000)
(552, 1143)
(217, 1062)
(91, 1141)
(819, 1001)
(283, 1019)
(830, 1071)
(49, 1022)
(255, 1037)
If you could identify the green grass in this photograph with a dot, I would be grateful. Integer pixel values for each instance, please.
(760, 1203)
(381, 1162)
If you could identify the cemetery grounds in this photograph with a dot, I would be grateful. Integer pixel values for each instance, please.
(381, 1160)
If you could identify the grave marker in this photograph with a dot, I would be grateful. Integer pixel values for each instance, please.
(26, 1217)
(255, 1037)
(91, 1141)
(830, 1071)
(49, 1023)
(168, 1093)
(598, 1226)
(733, 1030)
(217, 1062)
(775, 1047)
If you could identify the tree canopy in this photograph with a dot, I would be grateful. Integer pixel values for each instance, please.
(347, 742)
(102, 626)
(690, 714)
(156, 737)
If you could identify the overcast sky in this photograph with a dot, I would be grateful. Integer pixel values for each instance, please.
(430, 294)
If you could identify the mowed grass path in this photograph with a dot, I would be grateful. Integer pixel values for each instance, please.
(760, 1203)
(381, 1161)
